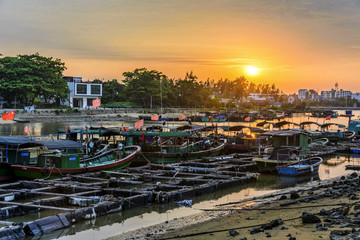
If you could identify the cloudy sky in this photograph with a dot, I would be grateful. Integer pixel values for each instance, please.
(295, 44)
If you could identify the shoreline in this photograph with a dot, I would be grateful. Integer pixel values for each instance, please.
(238, 219)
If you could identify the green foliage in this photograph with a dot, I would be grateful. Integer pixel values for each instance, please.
(30, 76)
(142, 85)
(113, 91)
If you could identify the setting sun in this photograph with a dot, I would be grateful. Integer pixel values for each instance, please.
(251, 70)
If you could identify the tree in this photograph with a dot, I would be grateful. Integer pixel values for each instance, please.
(27, 77)
(113, 92)
(241, 85)
(142, 85)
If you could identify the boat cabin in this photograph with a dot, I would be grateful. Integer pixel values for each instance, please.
(287, 138)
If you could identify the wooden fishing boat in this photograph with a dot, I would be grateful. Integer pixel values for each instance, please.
(172, 147)
(214, 118)
(63, 157)
(303, 167)
(288, 147)
(335, 136)
(237, 141)
(13, 150)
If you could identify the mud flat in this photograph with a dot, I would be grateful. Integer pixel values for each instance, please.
(319, 210)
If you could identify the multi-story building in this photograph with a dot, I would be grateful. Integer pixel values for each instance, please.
(302, 94)
(313, 95)
(328, 95)
(259, 98)
(355, 96)
(82, 93)
(343, 94)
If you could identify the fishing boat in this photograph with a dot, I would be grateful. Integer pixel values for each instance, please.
(341, 134)
(13, 150)
(214, 118)
(354, 125)
(303, 167)
(237, 141)
(289, 146)
(62, 157)
(174, 146)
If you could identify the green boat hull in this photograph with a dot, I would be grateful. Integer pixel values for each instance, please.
(166, 158)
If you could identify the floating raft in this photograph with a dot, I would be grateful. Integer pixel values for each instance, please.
(79, 197)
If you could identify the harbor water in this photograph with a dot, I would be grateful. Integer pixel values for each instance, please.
(132, 219)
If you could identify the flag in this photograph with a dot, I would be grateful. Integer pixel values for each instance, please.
(211, 119)
(182, 118)
(26, 129)
(155, 117)
(68, 129)
(139, 124)
(96, 103)
(247, 119)
(328, 117)
(283, 114)
(8, 116)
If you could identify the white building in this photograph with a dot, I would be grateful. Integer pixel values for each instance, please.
(302, 94)
(355, 96)
(343, 94)
(259, 98)
(82, 94)
(328, 95)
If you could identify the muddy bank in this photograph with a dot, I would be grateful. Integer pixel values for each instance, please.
(318, 210)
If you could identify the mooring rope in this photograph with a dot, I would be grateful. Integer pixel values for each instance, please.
(145, 157)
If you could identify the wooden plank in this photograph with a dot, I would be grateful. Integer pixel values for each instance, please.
(36, 206)
(6, 223)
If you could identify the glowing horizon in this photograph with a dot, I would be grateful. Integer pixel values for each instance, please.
(295, 44)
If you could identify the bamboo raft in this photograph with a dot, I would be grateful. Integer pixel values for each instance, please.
(80, 197)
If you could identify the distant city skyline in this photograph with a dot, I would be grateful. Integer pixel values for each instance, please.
(294, 44)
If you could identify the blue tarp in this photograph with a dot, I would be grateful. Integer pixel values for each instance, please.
(61, 144)
(15, 141)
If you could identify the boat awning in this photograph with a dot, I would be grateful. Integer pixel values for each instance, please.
(283, 123)
(261, 124)
(154, 134)
(326, 125)
(160, 128)
(241, 127)
(309, 123)
(284, 133)
(60, 144)
(16, 141)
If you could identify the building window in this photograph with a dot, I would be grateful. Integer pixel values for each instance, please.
(81, 89)
(95, 89)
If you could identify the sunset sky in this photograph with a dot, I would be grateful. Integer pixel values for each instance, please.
(294, 43)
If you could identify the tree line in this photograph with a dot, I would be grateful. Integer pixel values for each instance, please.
(151, 88)
(31, 79)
